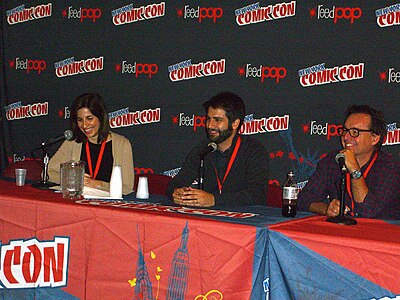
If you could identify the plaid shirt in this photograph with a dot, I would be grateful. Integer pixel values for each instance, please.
(383, 181)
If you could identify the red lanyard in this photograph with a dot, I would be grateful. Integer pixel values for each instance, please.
(231, 161)
(365, 174)
(99, 159)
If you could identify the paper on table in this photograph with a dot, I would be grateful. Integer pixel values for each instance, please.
(92, 193)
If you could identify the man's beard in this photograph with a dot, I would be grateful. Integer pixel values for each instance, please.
(223, 135)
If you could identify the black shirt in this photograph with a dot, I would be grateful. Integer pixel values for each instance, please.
(106, 165)
(246, 183)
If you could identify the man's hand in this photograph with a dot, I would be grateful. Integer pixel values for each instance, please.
(321, 208)
(350, 160)
(193, 197)
(334, 208)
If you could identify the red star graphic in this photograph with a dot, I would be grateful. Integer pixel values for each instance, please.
(64, 13)
(279, 154)
(179, 12)
(118, 68)
(306, 127)
(61, 113)
(175, 119)
(383, 76)
(12, 64)
(313, 12)
(291, 156)
(241, 71)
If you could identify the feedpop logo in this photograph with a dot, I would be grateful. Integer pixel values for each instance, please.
(28, 65)
(328, 130)
(82, 13)
(263, 72)
(390, 76)
(148, 70)
(200, 13)
(336, 13)
(189, 120)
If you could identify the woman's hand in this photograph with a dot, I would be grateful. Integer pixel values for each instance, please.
(93, 183)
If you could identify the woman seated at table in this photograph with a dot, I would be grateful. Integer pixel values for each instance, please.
(96, 145)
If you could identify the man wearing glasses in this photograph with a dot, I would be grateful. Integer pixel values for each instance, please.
(372, 177)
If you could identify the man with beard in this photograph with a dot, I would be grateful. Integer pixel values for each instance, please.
(236, 174)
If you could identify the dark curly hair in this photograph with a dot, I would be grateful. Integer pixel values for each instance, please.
(232, 104)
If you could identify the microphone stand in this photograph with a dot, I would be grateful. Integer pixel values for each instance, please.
(341, 218)
(44, 184)
(201, 173)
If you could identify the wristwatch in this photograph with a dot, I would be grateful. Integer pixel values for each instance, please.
(356, 174)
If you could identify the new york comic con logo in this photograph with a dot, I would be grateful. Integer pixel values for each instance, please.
(124, 118)
(33, 263)
(254, 13)
(28, 65)
(70, 67)
(334, 13)
(319, 74)
(252, 125)
(82, 13)
(21, 14)
(136, 69)
(200, 13)
(388, 16)
(392, 136)
(17, 111)
(130, 14)
(275, 73)
(187, 70)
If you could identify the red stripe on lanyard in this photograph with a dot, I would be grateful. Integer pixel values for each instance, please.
(231, 161)
(99, 159)
(365, 174)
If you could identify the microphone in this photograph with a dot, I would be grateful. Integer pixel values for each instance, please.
(339, 158)
(67, 135)
(211, 147)
(341, 218)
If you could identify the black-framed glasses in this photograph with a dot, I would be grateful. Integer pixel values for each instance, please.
(354, 132)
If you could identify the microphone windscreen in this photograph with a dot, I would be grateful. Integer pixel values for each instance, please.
(213, 146)
(68, 134)
(339, 156)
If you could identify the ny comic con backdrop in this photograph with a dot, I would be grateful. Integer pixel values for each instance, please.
(297, 64)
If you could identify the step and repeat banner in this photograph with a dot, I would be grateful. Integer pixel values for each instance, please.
(297, 64)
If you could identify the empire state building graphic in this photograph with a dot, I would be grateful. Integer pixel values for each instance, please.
(177, 281)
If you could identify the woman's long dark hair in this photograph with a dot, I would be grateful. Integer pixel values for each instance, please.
(96, 105)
